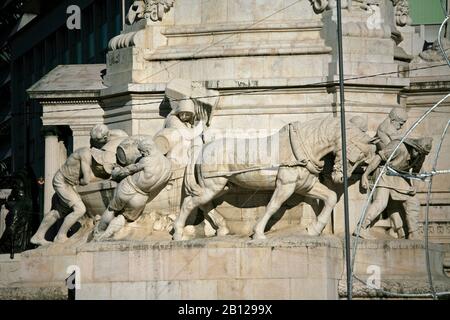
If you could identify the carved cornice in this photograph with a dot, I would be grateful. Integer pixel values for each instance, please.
(69, 101)
(150, 10)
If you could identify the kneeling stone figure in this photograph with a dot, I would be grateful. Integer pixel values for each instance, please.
(143, 181)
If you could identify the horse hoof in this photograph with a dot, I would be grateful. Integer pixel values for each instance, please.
(40, 242)
(60, 239)
(98, 237)
(177, 236)
(312, 231)
(259, 236)
(223, 231)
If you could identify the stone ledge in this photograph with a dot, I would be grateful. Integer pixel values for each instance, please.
(296, 266)
(216, 242)
(37, 293)
(227, 51)
(188, 30)
(392, 288)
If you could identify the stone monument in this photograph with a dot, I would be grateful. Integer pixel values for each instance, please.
(226, 122)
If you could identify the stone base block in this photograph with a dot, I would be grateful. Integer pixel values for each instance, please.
(287, 265)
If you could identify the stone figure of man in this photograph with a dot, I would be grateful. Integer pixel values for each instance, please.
(75, 171)
(408, 157)
(144, 181)
(181, 119)
(360, 123)
(390, 128)
(80, 168)
(101, 135)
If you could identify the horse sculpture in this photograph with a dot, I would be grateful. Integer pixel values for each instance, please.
(293, 168)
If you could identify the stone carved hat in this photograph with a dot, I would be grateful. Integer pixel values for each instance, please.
(423, 145)
(360, 123)
(185, 96)
(179, 93)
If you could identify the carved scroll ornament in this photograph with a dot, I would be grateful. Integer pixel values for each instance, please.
(152, 10)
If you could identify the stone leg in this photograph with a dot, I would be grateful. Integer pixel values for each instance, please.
(49, 220)
(103, 224)
(116, 225)
(379, 204)
(215, 219)
(329, 197)
(397, 225)
(412, 209)
(79, 209)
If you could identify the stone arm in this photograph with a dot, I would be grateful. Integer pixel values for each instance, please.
(119, 173)
(85, 165)
(136, 167)
(373, 164)
(396, 136)
(384, 137)
(149, 165)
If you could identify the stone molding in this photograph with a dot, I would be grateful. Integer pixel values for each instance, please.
(122, 41)
(148, 10)
(268, 49)
(78, 101)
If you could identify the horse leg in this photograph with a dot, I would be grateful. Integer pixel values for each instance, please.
(284, 188)
(215, 219)
(212, 188)
(329, 197)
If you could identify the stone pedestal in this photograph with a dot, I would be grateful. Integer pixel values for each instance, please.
(286, 266)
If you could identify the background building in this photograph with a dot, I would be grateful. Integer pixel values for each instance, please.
(426, 16)
(34, 39)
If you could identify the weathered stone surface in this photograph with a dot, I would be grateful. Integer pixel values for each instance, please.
(268, 73)
(281, 267)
